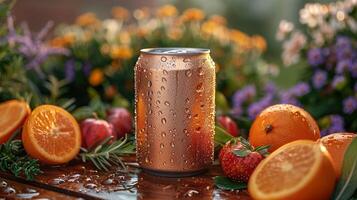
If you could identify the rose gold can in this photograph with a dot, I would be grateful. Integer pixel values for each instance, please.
(174, 110)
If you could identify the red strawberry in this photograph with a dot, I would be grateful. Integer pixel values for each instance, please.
(229, 125)
(238, 159)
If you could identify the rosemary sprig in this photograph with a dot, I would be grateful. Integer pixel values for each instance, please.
(107, 154)
(14, 159)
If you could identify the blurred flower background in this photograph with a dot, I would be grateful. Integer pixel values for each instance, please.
(78, 53)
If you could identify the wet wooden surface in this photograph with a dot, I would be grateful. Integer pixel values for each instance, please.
(83, 181)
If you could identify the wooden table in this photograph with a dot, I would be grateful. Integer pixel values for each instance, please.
(83, 181)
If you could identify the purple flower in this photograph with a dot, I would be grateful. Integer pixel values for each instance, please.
(336, 124)
(300, 89)
(338, 81)
(343, 42)
(69, 69)
(353, 69)
(343, 48)
(355, 88)
(315, 57)
(237, 111)
(270, 88)
(33, 48)
(255, 108)
(319, 79)
(86, 67)
(349, 105)
(243, 95)
(343, 66)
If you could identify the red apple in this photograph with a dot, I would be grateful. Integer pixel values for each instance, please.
(121, 120)
(95, 131)
(229, 125)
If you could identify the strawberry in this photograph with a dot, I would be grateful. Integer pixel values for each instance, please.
(238, 158)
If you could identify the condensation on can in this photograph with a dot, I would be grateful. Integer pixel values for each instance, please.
(175, 110)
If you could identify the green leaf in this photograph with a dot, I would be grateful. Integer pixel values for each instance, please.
(221, 136)
(263, 150)
(241, 153)
(225, 183)
(83, 113)
(347, 183)
(221, 102)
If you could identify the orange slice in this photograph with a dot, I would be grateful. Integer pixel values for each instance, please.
(298, 170)
(51, 135)
(13, 114)
(337, 144)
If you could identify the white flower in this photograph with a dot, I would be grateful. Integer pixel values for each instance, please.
(285, 27)
(111, 28)
(292, 47)
(313, 14)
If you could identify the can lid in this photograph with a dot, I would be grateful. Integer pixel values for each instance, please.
(175, 51)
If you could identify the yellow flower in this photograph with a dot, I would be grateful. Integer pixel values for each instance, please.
(96, 77)
(166, 11)
(121, 52)
(87, 19)
(192, 14)
(120, 13)
(259, 42)
(63, 41)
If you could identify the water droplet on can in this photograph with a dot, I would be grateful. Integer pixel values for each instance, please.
(163, 120)
(163, 59)
(188, 73)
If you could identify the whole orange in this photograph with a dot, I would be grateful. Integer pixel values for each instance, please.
(280, 124)
(337, 144)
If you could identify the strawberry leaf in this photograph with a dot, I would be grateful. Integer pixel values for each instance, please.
(347, 184)
(241, 153)
(245, 143)
(263, 150)
(221, 137)
(225, 183)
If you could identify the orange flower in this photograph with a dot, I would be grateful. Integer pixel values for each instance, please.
(87, 19)
(208, 27)
(192, 14)
(120, 13)
(166, 11)
(218, 19)
(96, 77)
(110, 91)
(121, 52)
(105, 49)
(259, 42)
(142, 13)
(63, 41)
(174, 33)
(241, 39)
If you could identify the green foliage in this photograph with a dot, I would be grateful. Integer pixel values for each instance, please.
(225, 183)
(108, 154)
(347, 184)
(14, 159)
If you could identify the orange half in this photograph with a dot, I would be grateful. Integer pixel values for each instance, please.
(298, 170)
(13, 114)
(51, 135)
